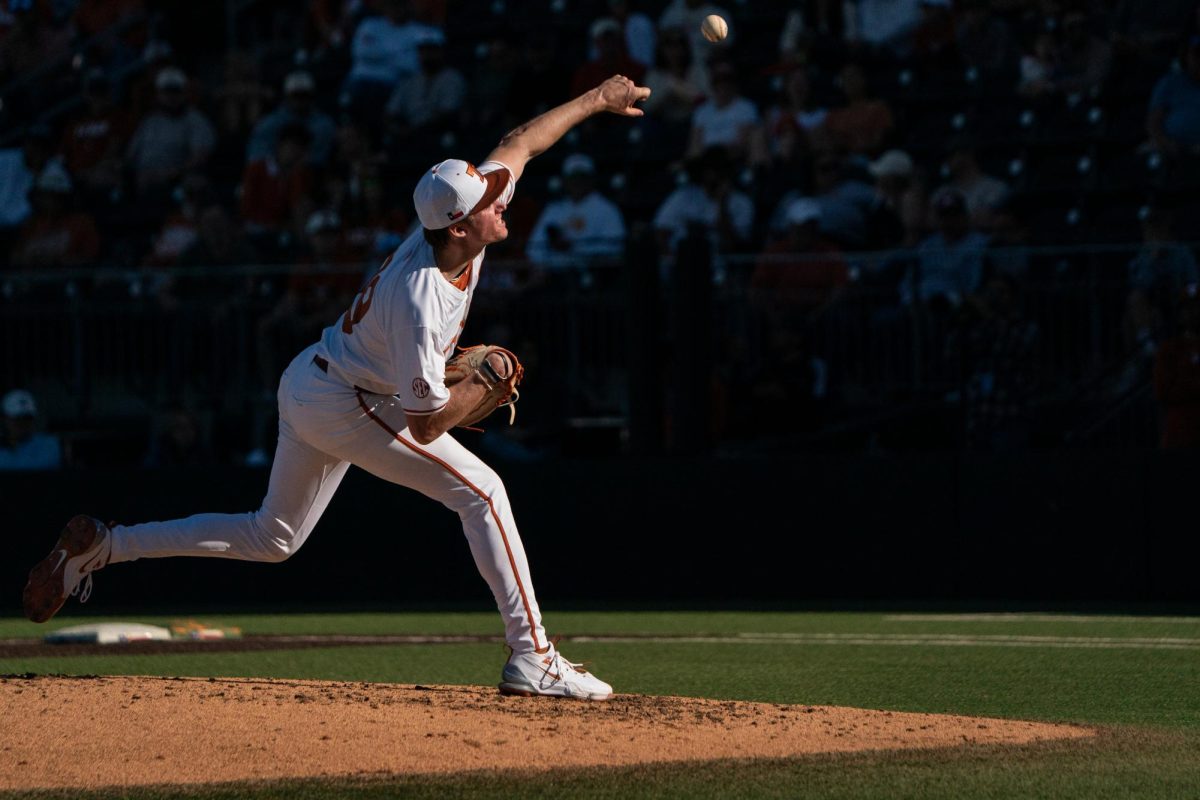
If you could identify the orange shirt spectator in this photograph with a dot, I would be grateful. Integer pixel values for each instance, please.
(99, 134)
(862, 125)
(53, 236)
(801, 269)
(275, 190)
(611, 59)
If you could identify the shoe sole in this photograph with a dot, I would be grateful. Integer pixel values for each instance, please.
(45, 592)
(525, 690)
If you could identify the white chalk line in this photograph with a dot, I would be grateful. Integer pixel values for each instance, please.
(1018, 617)
(901, 640)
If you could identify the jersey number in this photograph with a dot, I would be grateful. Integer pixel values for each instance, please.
(361, 305)
(362, 302)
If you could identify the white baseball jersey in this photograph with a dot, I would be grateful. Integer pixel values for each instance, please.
(396, 336)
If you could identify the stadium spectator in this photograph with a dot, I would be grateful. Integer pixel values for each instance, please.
(949, 264)
(996, 344)
(686, 15)
(142, 90)
(1040, 66)
(934, 45)
(22, 446)
(329, 24)
(790, 122)
(1177, 376)
(55, 236)
(1174, 121)
(801, 269)
(384, 51)
(983, 192)
(727, 120)
(677, 83)
(220, 242)
(896, 216)
(19, 168)
(298, 106)
(178, 441)
(171, 141)
(372, 227)
(610, 59)
(241, 98)
(541, 82)
(320, 288)
(277, 192)
(862, 125)
(93, 17)
(709, 201)
(1159, 273)
(804, 25)
(845, 201)
(987, 43)
(583, 226)
(93, 142)
(1084, 59)
(881, 25)
(491, 85)
(431, 99)
(182, 226)
(637, 30)
(1147, 31)
(34, 38)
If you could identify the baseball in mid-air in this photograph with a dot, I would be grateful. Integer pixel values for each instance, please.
(714, 28)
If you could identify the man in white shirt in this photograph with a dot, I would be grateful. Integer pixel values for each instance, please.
(707, 200)
(384, 51)
(582, 226)
(373, 392)
(434, 95)
(22, 447)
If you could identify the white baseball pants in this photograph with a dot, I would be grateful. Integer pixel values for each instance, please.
(324, 426)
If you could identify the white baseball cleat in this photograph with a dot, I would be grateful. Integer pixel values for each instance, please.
(83, 547)
(552, 675)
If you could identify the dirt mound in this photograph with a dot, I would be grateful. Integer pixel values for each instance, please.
(91, 732)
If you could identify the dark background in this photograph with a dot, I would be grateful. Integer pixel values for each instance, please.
(1056, 528)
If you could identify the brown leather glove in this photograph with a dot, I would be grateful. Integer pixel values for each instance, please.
(502, 384)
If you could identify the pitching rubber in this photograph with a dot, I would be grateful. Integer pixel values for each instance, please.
(46, 591)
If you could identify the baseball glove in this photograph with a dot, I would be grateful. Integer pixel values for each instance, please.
(502, 388)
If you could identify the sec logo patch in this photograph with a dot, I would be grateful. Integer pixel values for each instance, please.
(420, 387)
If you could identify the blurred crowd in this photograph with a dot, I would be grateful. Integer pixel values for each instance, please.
(916, 151)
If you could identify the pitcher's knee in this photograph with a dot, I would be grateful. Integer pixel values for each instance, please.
(479, 496)
(273, 540)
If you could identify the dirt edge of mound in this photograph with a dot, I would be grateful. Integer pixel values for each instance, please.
(71, 732)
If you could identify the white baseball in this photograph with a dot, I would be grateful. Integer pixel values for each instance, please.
(714, 28)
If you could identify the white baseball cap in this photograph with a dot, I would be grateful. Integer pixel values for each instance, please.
(577, 163)
(19, 403)
(893, 163)
(803, 210)
(170, 78)
(453, 190)
(298, 82)
(323, 220)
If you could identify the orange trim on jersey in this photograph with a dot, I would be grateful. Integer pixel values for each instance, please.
(503, 536)
(424, 413)
(463, 280)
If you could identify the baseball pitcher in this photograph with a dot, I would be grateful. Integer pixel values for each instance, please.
(381, 389)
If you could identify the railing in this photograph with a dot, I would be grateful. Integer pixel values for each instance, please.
(848, 362)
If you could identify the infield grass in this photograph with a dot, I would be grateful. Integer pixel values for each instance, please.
(1139, 677)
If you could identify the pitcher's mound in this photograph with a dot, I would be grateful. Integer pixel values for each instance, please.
(90, 732)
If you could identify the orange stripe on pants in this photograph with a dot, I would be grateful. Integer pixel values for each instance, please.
(482, 495)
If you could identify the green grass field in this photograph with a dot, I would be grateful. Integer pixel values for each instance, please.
(1138, 677)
